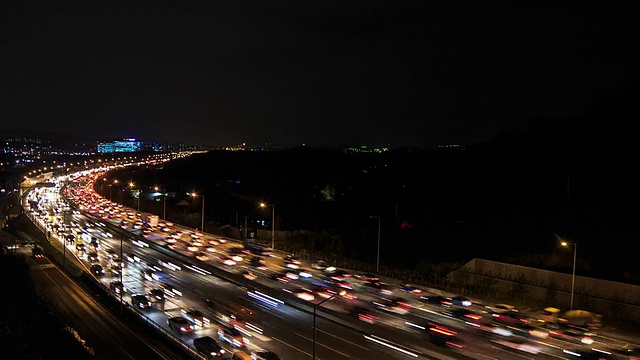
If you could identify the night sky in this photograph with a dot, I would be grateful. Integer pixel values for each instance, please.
(322, 73)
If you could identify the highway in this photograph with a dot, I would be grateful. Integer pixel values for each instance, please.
(279, 296)
(106, 336)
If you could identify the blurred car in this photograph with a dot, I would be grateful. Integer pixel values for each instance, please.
(151, 275)
(435, 300)
(463, 314)
(411, 288)
(249, 275)
(441, 335)
(115, 270)
(395, 305)
(319, 265)
(495, 329)
(367, 277)
(169, 290)
(180, 324)
(97, 270)
(80, 247)
(93, 257)
(364, 314)
(518, 344)
(140, 301)
(573, 335)
(292, 261)
(511, 318)
(500, 308)
(258, 263)
(378, 288)
(264, 355)
(461, 301)
(202, 256)
(304, 294)
(195, 317)
(112, 254)
(227, 260)
(157, 294)
(232, 336)
(117, 287)
(208, 347)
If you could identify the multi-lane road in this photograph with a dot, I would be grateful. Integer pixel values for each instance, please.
(273, 302)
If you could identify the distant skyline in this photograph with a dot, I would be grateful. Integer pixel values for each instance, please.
(330, 73)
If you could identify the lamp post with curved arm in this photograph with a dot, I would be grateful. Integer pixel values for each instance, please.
(573, 276)
(273, 223)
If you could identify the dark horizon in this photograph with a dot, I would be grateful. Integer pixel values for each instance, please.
(326, 74)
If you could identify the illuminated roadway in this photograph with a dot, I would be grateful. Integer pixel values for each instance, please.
(282, 323)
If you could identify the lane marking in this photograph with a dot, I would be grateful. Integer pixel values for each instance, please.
(293, 347)
(339, 338)
(323, 345)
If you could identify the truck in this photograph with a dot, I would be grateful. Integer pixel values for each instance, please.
(151, 220)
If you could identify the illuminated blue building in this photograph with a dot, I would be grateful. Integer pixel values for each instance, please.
(124, 145)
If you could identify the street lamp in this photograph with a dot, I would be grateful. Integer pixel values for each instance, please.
(573, 277)
(378, 258)
(164, 203)
(115, 182)
(132, 185)
(273, 223)
(196, 195)
(315, 307)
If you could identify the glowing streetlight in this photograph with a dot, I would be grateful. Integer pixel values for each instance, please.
(164, 202)
(196, 195)
(273, 223)
(132, 185)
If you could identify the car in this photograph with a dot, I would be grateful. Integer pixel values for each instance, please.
(117, 287)
(304, 294)
(461, 301)
(112, 254)
(180, 324)
(410, 288)
(202, 256)
(573, 335)
(378, 287)
(367, 277)
(37, 252)
(435, 300)
(510, 318)
(319, 265)
(227, 260)
(500, 308)
(93, 257)
(440, 335)
(364, 314)
(115, 270)
(151, 275)
(463, 314)
(195, 317)
(169, 290)
(97, 270)
(208, 347)
(395, 305)
(264, 355)
(80, 248)
(292, 261)
(232, 336)
(157, 294)
(518, 344)
(249, 275)
(340, 275)
(494, 329)
(140, 301)
(258, 263)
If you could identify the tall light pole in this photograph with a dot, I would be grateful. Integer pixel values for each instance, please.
(164, 203)
(132, 185)
(115, 182)
(573, 277)
(196, 195)
(315, 307)
(378, 258)
(273, 224)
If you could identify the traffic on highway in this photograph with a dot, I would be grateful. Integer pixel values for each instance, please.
(222, 297)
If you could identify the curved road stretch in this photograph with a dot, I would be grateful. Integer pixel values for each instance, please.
(285, 329)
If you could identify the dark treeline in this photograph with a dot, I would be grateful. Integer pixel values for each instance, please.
(509, 199)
